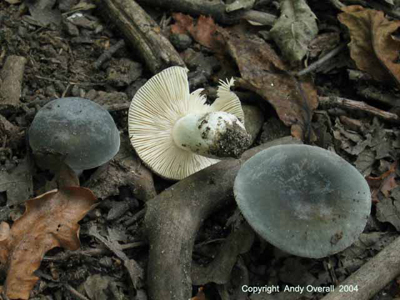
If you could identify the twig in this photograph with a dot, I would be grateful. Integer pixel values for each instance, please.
(71, 82)
(213, 8)
(259, 17)
(133, 268)
(111, 107)
(117, 107)
(353, 105)
(11, 80)
(108, 54)
(139, 215)
(75, 292)
(372, 276)
(373, 93)
(315, 65)
(143, 34)
(92, 252)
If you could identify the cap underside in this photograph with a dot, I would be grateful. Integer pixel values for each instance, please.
(156, 107)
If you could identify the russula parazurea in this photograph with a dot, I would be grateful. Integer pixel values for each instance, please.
(176, 133)
(305, 200)
(73, 130)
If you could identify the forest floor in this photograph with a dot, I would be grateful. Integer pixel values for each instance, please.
(326, 73)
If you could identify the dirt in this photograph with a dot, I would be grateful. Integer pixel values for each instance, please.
(64, 49)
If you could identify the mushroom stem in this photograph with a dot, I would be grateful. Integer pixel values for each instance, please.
(212, 134)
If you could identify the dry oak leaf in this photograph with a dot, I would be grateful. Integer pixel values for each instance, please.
(372, 46)
(50, 220)
(266, 74)
(203, 30)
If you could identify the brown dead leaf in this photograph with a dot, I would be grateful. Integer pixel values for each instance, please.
(372, 46)
(200, 295)
(50, 220)
(389, 184)
(182, 23)
(383, 183)
(265, 73)
(203, 30)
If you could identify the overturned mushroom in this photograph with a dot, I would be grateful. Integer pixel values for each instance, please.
(305, 200)
(76, 131)
(176, 133)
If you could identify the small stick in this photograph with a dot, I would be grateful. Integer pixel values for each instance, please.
(11, 80)
(108, 54)
(138, 216)
(373, 93)
(259, 17)
(133, 268)
(143, 34)
(75, 292)
(213, 8)
(357, 106)
(117, 107)
(71, 82)
(321, 61)
(372, 276)
(92, 252)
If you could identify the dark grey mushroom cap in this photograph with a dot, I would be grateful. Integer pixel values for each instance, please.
(75, 130)
(305, 200)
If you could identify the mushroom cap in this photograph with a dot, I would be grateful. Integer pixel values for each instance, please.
(78, 131)
(305, 200)
(157, 106)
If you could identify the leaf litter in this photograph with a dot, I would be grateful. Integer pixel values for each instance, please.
(295, 29)
(295, 101)
(261, 70)
(372, 45)
(50, 220)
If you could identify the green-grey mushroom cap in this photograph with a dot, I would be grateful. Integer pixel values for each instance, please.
(305, 200)
(76, 131)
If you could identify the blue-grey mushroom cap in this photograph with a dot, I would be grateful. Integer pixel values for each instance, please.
(305, 200)
(78, 131)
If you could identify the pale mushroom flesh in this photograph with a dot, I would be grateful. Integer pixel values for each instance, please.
(168, 149)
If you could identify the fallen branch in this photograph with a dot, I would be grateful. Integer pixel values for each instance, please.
(371, 277)
(174, 217)
(347, 104)
(214, 8)
(143, 34)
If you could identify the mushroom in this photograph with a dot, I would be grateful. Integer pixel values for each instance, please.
(305, 200)
(176, 133)
(76, 131)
